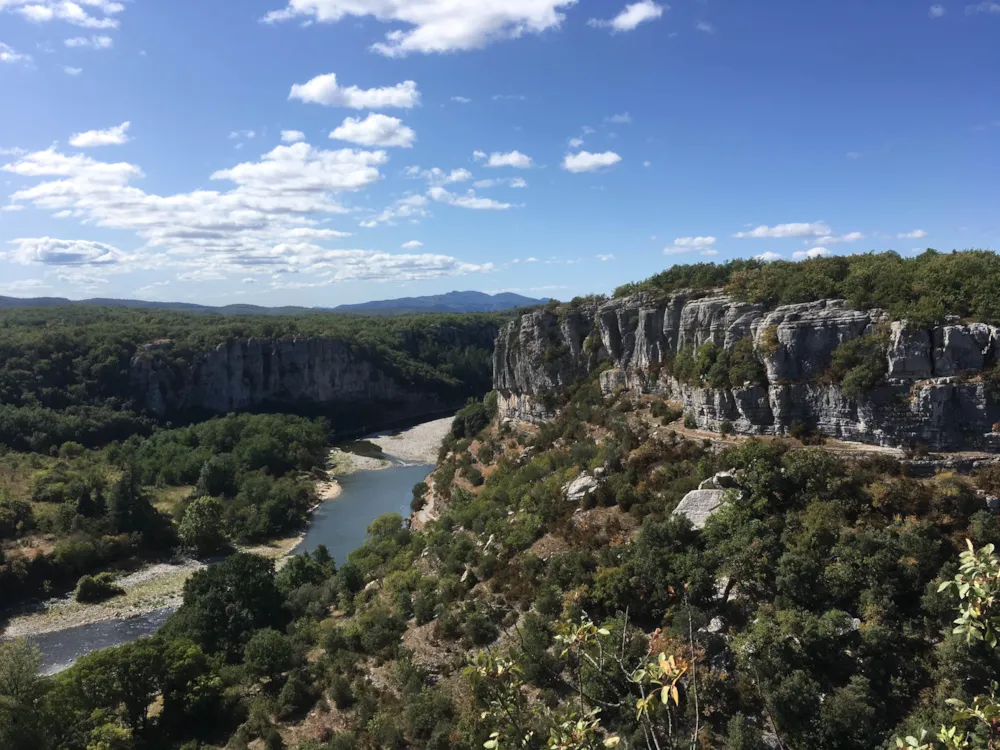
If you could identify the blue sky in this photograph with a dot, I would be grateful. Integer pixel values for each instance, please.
(332, 151)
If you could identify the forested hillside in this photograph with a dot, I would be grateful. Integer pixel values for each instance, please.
(924, 288)
(556, 593)
(66, 374)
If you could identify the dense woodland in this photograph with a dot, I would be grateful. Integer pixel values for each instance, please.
(807, 612)
(65, 372)
(923, 288)
(200, 489)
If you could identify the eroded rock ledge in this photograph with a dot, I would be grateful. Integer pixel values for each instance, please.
(932, 394)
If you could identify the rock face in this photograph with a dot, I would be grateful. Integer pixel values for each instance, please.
(699, 505)
(932, 394)
(291, 373)
(578, 490)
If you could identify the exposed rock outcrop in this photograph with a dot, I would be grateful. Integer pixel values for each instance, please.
(932, 393)
(699, 505)
(578, 490)
(291, 373)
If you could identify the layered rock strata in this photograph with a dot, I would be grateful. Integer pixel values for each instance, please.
(933, 394)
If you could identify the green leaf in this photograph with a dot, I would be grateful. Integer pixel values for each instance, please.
(944, 585)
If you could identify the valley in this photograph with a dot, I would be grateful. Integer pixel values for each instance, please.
(612, 522)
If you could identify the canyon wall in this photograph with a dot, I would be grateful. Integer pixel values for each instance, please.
(307, 374)
(933, 393)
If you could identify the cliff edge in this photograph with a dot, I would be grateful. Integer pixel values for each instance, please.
(934, 387)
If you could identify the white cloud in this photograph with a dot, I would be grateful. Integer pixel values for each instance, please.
(469, 200)
(705, 27)
(72, 71)
(509, 98)
(115, 136)
(325, 90)
(694, 242)
(936, 11)
(684, 245)
(292, 136)
(816, 252)
(631, 16)
(782, 231)
(575, 142)
(647, 164)
(412, 245)
(53, 252)
(411, 207)
(42, 11)
(247, 134)
(23, 285)
(768, 257)
(375, 130)
(151, 288)
(93, 42)
(10, 55)
(916, 234)
(514, 182)
(301, 168)
(623, 119)
(606, 257)
(478, 155)
(312, 233)
(709, 252)
(265, 224)
(985, 7)
(511, 159)
(461, 100)
(436, 25)
(437, 176)
(588, 162)
(833, 240)
(269, 207)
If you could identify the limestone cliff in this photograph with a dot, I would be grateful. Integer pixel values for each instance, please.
(299, 373)
(932, 394)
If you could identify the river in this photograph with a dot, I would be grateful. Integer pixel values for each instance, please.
(340, 524)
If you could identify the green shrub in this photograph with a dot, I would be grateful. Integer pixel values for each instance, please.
(726, 428)
(473, 418)
(268, 653)
(273, 741)
(860, 364)
(419, 500)
(99, 588)
(690, 422)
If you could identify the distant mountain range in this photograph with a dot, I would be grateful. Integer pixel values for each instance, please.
(452, 302)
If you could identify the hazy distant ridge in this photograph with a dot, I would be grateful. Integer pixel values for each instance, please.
(456, 302)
